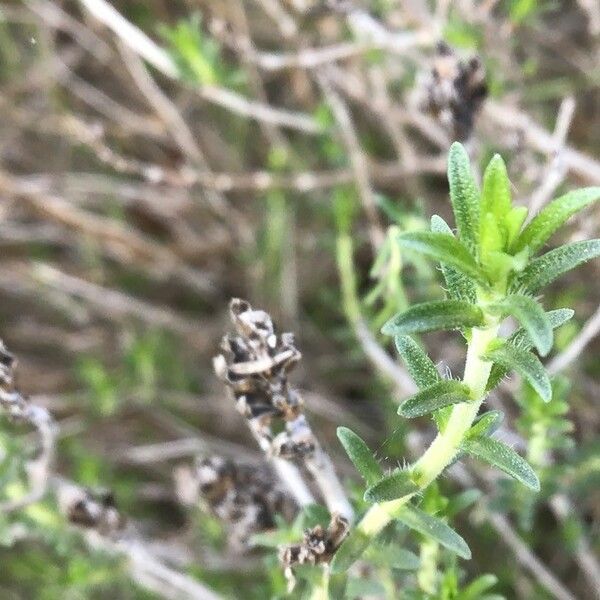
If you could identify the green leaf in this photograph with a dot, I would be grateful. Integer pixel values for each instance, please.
(549, 219)
(475, 590)
(513, 222)
(545, 269)
(495, 195)
(464, 195)
(441, 394)
(506, 459)
(360, 587)
(430, 316)
(395, 485)
(360, 455)
(491, 239)
(486, 424)
(394, 557)
(443, 248)
(521, 339)
(459, 502)
(459, 286)
(419, 365)
(531, 316)
(350, 551)
(434, 528)
(526, 364)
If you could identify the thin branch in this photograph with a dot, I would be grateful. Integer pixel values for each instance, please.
(540, 140)
(140, 43)
(103, 528)
(556, 170)
(357, 158)
(114, 304)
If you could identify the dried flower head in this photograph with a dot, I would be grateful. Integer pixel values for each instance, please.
(255, 366)
(18, 408)
(91, 509)
(245, 497)
(317, 547)
(453, 90)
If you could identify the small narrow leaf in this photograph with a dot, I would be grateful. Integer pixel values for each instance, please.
(459, 286)
(464, 195)
(521, 339)
(443, 248)
(556, 318)
(526, 364)
(459, 502)
(476, 589)
(514, 221)
(531, 316)
(486, 424)
(430, 316)
(360, 455)
(393, 486)
(545, 269)
(419, 365)
(553, 216)
(397, 558)
(495, 195)
(491, 238)
(434, 528)
(358, 588)
(439, 395)
(506, 459)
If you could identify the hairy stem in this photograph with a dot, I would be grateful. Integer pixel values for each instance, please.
(445, 446)
(321, 591)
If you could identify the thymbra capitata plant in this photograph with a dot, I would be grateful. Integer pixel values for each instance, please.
(492, 270)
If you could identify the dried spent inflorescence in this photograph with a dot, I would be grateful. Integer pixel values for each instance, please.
(255, 364)
(453, 90)
(318, 546)
(246, 498)
(90, 509)
(19, 409)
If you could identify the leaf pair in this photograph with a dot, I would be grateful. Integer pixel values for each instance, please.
(525, 363)
(380, 488)
(531, 316)
(521, 340)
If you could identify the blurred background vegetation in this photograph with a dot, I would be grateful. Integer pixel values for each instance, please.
(263, 149)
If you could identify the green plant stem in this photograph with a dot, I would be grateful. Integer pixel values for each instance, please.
(345, 263)
(428, 572)
(445, 446)
(321, 591)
